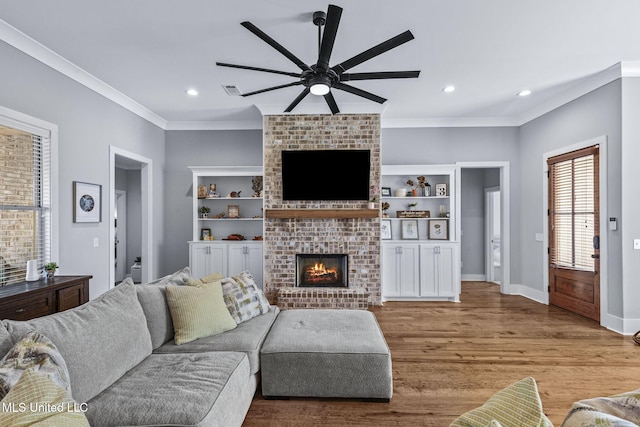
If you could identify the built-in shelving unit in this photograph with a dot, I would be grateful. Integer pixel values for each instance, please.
(420, 251)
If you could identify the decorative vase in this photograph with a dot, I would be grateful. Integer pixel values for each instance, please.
(50, 274)
(371, 205)
(401, 192)
(414, 192)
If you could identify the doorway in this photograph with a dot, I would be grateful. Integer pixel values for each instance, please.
(130, 173)
(493, 263)
(574, 231)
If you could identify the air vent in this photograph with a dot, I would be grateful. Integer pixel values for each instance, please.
(232, 90)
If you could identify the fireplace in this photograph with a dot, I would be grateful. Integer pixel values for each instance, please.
(322, 271)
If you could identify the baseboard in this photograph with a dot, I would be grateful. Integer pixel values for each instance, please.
(473, 278)
(620, 325)
(527, 292)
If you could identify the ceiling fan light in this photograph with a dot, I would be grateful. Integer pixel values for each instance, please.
(319, 89)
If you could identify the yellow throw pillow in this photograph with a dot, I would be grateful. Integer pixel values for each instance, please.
(517, 405)
(213, 277)
(36, 400)
(198, 311)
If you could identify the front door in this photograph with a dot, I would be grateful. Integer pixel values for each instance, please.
(574, 249)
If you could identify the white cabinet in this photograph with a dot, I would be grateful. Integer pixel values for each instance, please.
(206, 258)
(400, 270)
(226, 258)
(246, 256)
(438, 275)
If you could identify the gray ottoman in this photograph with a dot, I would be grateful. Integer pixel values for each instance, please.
(326, 353)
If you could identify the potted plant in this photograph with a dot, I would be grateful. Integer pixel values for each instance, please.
(50, 268)
(204, 211)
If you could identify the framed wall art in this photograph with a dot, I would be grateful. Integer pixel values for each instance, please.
(87, 202)
(441, 189)
(409, 229)
(233, 211)
(385, 229)
(438, 229)
(205, 234)
(385, 192)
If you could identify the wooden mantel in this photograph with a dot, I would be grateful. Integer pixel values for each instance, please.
(321, 213)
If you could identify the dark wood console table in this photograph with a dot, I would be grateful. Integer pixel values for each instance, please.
(26, 300)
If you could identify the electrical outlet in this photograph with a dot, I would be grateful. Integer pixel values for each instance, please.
(636, 243)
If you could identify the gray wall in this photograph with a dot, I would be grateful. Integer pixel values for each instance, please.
(197, 148)
(87, 123)
(592, 115)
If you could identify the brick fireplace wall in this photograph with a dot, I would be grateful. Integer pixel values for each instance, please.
(359, 238)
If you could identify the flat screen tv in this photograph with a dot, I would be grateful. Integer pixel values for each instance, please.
(325, 174)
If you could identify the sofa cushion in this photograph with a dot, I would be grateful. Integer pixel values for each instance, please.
(247, 337)
(5, 341)
(517, 405)
(34, 390)
(153, 299)
(198, 311)
(191, 389)
(36, 352)
(244, 299)
(99, 341)
(180, 277)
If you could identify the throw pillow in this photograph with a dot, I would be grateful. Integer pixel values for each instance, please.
(622, 410)
(36, 400)
(37, 352)
(198, 311)
(244, 299)
(517, 405)
(180, 277)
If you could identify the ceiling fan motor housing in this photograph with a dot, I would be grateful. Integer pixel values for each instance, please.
(319, 18)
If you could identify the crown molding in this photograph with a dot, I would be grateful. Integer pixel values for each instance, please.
(36, 50)
(14, 37)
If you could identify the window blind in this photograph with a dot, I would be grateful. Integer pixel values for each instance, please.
(25, 202)
(572, 211)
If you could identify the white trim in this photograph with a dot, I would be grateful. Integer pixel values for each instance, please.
(217, 125)
(146, 184)
(473, 278)
(488, 238)
(606, 319)
(530, 293)
(38, 51)
(505, 214)
(121, 204)
(47, 130)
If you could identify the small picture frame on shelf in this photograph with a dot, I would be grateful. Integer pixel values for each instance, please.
(441, 189)
(205, 234)
(233, 211)
(409, 229)
(385, 192)
(385, 229)
(438, 229)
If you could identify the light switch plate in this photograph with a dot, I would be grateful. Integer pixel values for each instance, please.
(636, 243)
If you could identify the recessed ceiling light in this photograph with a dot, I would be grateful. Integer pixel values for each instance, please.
(192, 92)
(525, 92)
(449, 89)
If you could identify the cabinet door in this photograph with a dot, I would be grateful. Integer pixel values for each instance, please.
(437, 270)
(246, 257)
(400, 270)
(428, 271)
(446, 271)
(205, 259)
(71, 297)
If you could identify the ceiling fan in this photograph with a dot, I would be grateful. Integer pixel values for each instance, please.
(319, 78)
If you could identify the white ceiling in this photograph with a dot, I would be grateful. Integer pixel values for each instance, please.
(146, 53)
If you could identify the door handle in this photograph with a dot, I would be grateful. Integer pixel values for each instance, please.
(595, 256)
(596, 242)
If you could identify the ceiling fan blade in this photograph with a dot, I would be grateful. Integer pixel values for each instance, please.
(329, 36)
(331, 102)
(265, 70)
(345, 77)
(296, 101)
(274, 44)
(360, 92)
(272, 88)
(373, 52)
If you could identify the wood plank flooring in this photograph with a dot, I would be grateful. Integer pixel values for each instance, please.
(449, 358)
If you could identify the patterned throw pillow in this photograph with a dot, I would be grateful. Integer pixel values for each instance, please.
(37, 391)
(37, 352)
(621, 410)
(244, 299)
(517, 405)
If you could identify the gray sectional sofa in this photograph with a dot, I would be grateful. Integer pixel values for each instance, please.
(124, 364)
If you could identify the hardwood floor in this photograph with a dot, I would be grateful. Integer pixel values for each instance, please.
(449, 358)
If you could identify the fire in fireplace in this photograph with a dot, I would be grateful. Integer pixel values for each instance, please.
(322, 270)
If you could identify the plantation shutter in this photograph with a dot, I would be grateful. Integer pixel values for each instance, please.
(25, 202)
(572, 209)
